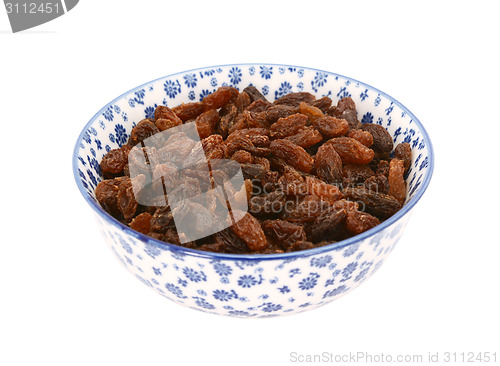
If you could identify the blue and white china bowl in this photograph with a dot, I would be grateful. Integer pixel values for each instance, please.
(250, 285)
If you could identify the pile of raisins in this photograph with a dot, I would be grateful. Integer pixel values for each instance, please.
(313, 173)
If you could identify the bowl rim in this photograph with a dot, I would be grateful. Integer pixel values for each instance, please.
(255, 257)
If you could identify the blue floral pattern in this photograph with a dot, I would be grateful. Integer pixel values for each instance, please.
(250, 286)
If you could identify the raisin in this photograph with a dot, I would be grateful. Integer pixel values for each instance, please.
(164, 177)
(293, 154)
(165, 118)
(115, 160)
(383, 168)
(227, 120)
(403, 152)
(364, 137)
(142, 131)
(323, 104)
(245, 143)
(258, 105)
(313, 113)
(324, 191)
(188, 111)
(305, 210)
(126, 201)
(294, 99)
(262, 161)
(292, 183)
(211, 142)
(242, 101)
(326, 225)
(219, 98)
(242, 157)
(352, 119)
(328, 164)
(378, 204)
(306, 137)
(382, 140)
(206, 123)
(268, 204)
(356, 174)
(358, 222)
(351, 150)
(330, 126)
(300, 245)
(255, 119)
(345, 104)
(247, 132)
(249, 230)
(288, 126)
(284, 233)
(276, 112)
(106, 192)
(397, 185)
(142, 223)
(231, 242)
(254, 93)
(377, 183)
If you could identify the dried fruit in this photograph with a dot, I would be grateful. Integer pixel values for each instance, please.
(284, 233)
(330, 126)
(219, 98)
(397, 185)
(364, 137)
(382, 140)
(378, 204)
(403, 152)
(358, 222)
(293, 154)
(249, 230)
(287, 126)
(351, 150)
(115, 160)
(329, 165)
(344, 183)
(306, 137)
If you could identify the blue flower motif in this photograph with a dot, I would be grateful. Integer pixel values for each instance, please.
(222, 269)
(117, 109)
(281, 70)
(191, 95)
(182, 282)
(389, 109)
(424, 164)
(193, 275)
(309, 282)
(125, 245)
(300, 73)
(367, 118)
(102, 124)
(190, 80)
(285, 88)
(251, 70)
(343, 93)
(335, 291)
(247, 281)
(235, 75)
(321, 261)
(108, 113)
(269, 307)
(177, 291)
(149, 112)
(348, 270)
(377, 100)
(284, 289)
(157, 271)
(213, 82)
(201, 302)
(98, 144)
(204, 93)
(92, 178)
(293, 272)
(172, 88)
(319, 80)
(351, 249)
(266, 72)
(223, 295)
(94, 164)
(265, 90)
(300, 86)
(364, 95)
(93, 131)
(121, 135)
(152, 250)
(239, 313)
(86, 137)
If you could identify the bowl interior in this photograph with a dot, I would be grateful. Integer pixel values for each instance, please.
(111, 126)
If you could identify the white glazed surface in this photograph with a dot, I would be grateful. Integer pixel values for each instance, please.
(250, 286)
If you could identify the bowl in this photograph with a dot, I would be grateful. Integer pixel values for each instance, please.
(250, 285)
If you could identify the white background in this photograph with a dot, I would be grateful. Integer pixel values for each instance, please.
(65, 300)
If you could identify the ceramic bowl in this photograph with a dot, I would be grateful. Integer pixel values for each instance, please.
(250, 285)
